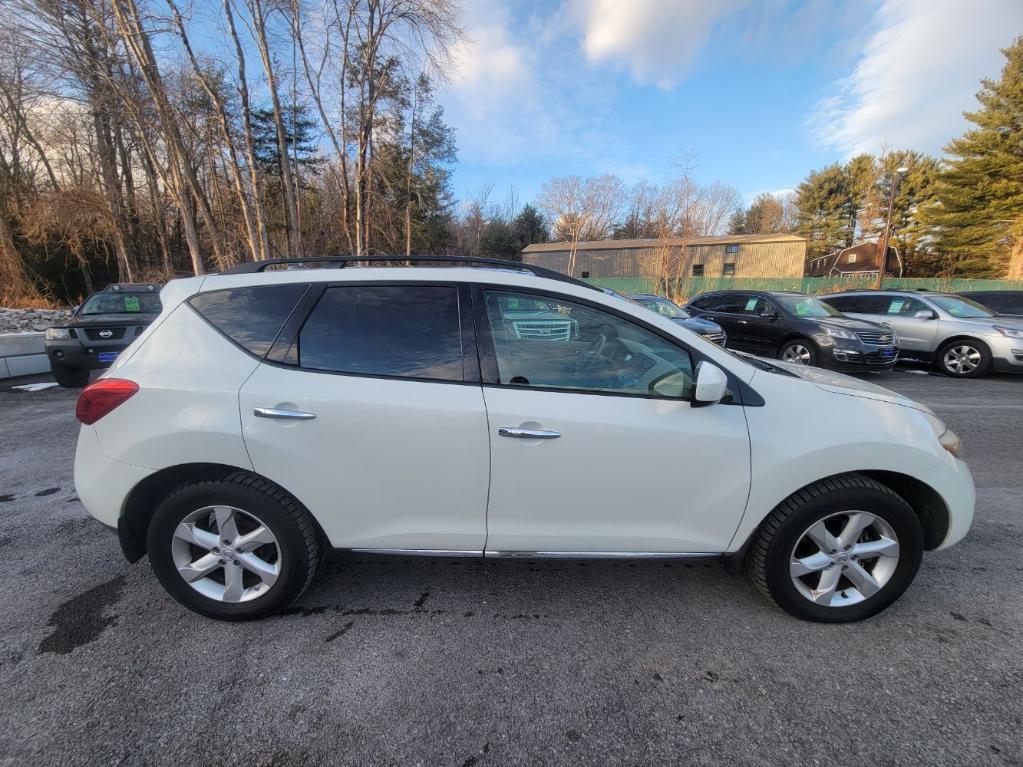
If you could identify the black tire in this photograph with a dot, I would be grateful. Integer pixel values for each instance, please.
(806, 343)
(775, 542)
(69, 377)
(297, 536)
(982, 366)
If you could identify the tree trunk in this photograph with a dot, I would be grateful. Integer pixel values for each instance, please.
(287, 180)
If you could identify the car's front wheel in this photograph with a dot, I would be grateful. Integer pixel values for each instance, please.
(235, 548)
(800, 351)
(842, 549)
(69, 377)
(964, 359)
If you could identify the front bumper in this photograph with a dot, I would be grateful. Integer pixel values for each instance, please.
(864, 357)
(1006, 353)
(955, 486)
(75, 354)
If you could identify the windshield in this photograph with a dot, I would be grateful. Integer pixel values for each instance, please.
(121, 303)
(962, 307)
(663, 307)
(806, 306)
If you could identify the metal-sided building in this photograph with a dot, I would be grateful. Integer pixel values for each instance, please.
(737, 255)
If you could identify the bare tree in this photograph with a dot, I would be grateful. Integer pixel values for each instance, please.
(583, 209)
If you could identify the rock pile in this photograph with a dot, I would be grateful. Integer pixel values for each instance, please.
(30, 320)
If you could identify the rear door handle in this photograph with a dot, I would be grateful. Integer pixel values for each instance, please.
(283, 415)
(515, 431)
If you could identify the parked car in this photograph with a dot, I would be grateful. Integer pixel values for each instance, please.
(672, 311)
(268, 415)
(797, 328)
(100, 329)
(1008, 303)
(960, 337)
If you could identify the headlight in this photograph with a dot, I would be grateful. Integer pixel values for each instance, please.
(1010, 332)
(58, 334)
(839, 333)
(947, 438)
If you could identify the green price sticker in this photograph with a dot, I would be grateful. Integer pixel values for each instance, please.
(131, 304)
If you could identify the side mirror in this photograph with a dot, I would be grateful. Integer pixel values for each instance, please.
(769, 314)
(711, 384)
(925, 314)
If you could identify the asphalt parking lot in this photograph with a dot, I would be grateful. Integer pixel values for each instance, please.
(466, 663)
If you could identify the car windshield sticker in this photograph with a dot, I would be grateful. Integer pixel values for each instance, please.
(751, 303)
(131, 304)
(896, 306)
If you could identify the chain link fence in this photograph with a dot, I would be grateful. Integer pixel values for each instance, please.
(684, 289)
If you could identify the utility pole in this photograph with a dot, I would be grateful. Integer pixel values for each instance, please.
(882, 243)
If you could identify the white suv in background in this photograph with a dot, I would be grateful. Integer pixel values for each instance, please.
(961, 337)
(271, 413)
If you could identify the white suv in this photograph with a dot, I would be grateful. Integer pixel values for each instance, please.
(269, 414)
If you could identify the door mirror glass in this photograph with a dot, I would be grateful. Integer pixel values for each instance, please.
(769, 314)
(924, 314)
(711, 384)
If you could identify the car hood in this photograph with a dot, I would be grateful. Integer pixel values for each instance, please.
(839, 383)
(848, 322)
(698, 325)
(987, 322)
(107, 320)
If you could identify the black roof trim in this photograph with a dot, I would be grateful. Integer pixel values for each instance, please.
(340, 262)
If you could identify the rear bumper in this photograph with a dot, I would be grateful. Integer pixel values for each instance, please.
(102, 483)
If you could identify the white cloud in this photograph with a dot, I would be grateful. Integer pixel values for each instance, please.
(658, 40)
(918, 71)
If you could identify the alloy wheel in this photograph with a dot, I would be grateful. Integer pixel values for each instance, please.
(844, 559)
(961, 359)
(797, 353)
(226, 554)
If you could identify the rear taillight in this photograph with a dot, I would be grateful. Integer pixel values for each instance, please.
(101, 397)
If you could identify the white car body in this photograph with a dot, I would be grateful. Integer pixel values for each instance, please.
(410, 466)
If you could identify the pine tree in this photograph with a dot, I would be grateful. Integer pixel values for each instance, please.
(978, 216)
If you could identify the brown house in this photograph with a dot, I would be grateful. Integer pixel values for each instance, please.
(859, 259)
(735, 255)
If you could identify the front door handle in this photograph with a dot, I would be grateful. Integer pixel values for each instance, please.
(283, 415)
(515, 431)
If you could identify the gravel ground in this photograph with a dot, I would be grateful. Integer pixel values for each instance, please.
(456, 662)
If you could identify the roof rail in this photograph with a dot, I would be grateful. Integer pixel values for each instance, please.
(340, 262)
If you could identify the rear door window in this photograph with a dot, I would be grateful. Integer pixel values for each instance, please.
(734, 303)
(251, 317)
(405, 331)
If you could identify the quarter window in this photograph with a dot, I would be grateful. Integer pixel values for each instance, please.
(251, 317)
(556, 344)
(388, 330)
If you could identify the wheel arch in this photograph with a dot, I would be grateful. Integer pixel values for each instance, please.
(143, 499)
(925, 501)
(960, 337)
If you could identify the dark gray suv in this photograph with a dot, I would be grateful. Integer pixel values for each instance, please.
(99, 330)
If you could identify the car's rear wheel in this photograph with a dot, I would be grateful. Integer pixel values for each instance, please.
(236, 548)
(69, 377)
(964, 359)
(842, 549)
(800, 351)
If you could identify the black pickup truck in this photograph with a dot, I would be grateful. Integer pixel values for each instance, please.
(99, 330)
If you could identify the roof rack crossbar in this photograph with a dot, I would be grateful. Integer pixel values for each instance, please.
(340, 262)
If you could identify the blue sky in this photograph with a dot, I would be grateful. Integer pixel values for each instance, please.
(757, 92)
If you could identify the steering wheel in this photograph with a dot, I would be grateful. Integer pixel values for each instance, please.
(596, 345)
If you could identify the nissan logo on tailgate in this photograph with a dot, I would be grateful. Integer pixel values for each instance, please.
(106, 333)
